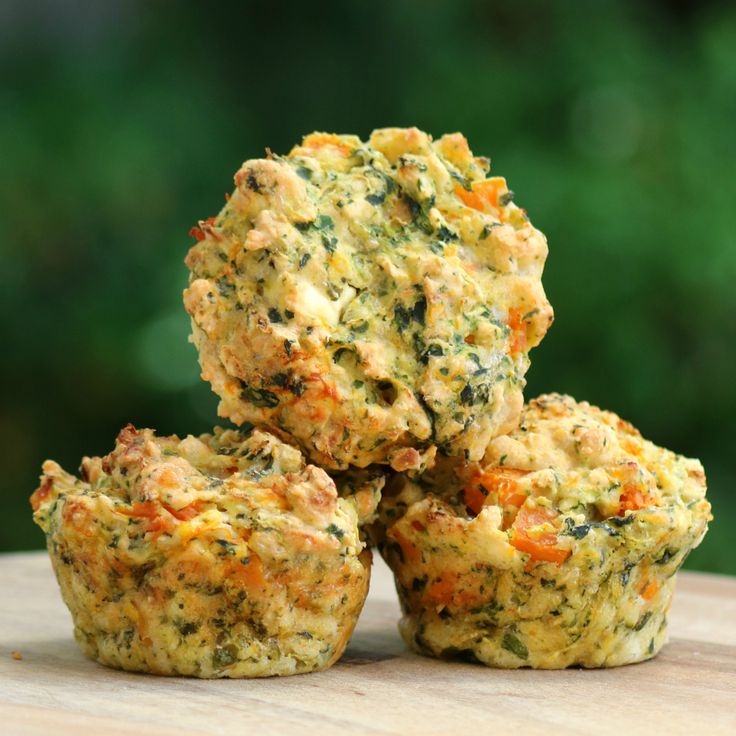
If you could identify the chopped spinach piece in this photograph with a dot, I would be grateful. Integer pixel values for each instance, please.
(433, 350)
(445, 233)
(224, 656)
(329, 243)
(470, 396)
(225, 287)
(667, 555)
(335, 531)
(188, 628)
(324, 222)
(297, 388)
(466, 395)
(304, 172)
(375, 199)
(402, 316)
(577, 532)
(258, 396)
(419, 310)
(512, 643)
(339, 353)
(280, 379)
(620, 521)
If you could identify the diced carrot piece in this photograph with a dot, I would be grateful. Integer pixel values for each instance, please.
(474, 497)
(442, 589)
(151, 511)
(540, 545)
(483, 194)
(195, 232)
(495, 486)
(633, 498)
(250, 574)
(445, 591)
(184, 514)
(143, 509)
(649, 590)
(490, 189)
(518, 331)
(470, 199)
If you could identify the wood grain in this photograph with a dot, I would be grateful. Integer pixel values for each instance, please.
(377, 688)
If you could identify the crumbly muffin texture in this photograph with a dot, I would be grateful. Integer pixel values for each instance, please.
(374, 300)
(224, 555)
(560, 548)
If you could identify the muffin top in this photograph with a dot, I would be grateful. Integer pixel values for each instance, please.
(242, 496)
(569, 476)
(584, 461)
(374, 300)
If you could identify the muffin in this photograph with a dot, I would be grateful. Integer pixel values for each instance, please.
(376, 301)
(560, 548)
(224, 555)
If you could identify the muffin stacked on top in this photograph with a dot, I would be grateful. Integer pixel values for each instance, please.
(375, 301)
(370, 307)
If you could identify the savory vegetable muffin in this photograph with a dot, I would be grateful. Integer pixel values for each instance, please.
(559, 549)
(374, 300)
(218, 556)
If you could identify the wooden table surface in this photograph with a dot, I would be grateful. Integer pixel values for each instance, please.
(377, 688)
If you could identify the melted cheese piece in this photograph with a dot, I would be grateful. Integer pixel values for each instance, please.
(223, 555)
(366, 297)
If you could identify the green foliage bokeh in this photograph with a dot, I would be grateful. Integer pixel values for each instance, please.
(122, 123)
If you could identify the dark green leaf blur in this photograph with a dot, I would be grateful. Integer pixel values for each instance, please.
(122, 123)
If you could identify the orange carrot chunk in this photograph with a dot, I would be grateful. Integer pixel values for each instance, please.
(517, 326)
(633, 498)
(539, 545)
(495, 486)
(484, 194)
(649, 590)
(184, 514)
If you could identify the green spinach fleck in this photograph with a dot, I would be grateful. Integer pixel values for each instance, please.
(512, 643)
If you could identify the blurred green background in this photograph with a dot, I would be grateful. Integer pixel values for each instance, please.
(122, 123)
